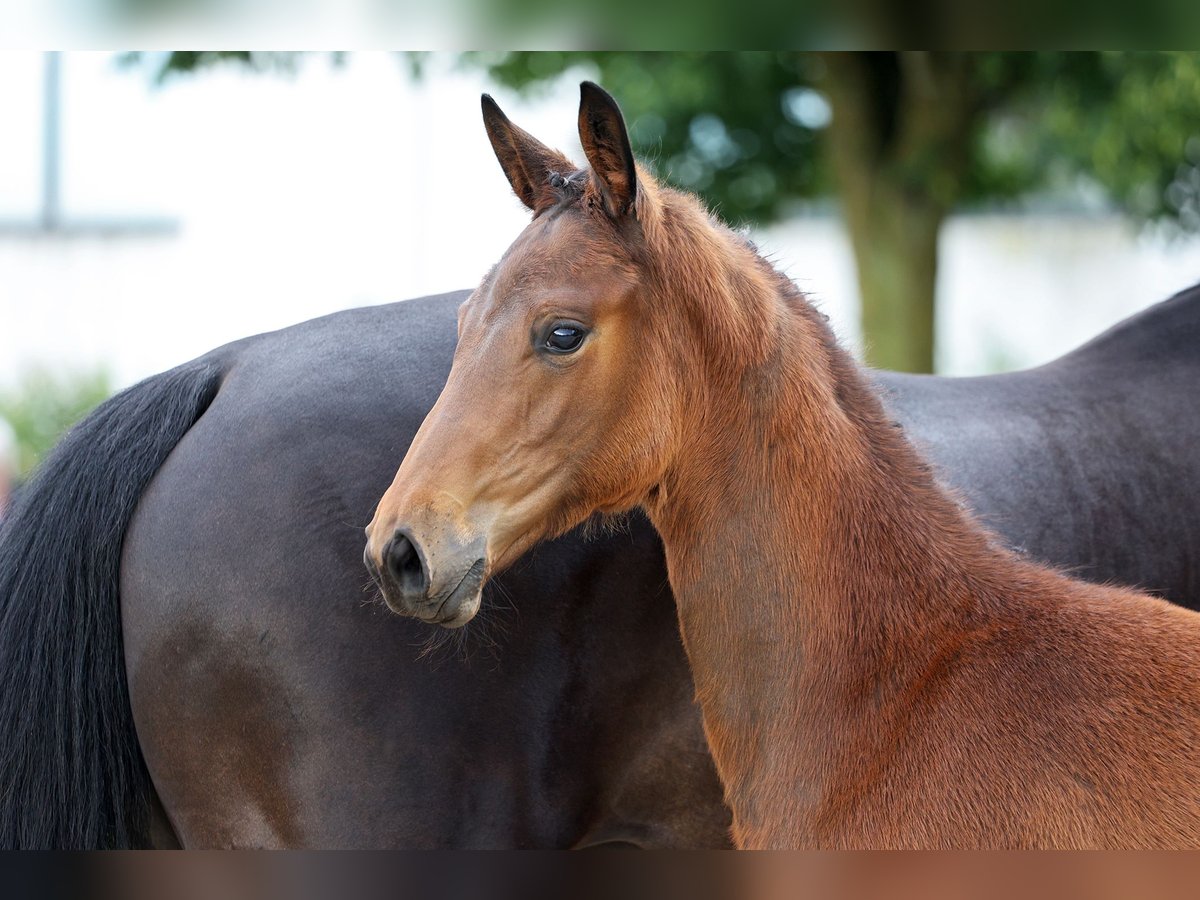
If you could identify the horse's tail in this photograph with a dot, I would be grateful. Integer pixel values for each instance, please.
(71, 771)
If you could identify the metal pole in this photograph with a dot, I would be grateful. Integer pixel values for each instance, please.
(51, 142)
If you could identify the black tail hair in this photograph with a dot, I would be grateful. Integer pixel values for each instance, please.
(71, 770)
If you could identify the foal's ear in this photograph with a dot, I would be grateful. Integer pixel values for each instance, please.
(606, 143)
(526, 161)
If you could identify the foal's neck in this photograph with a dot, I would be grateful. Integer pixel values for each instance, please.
(819, 570)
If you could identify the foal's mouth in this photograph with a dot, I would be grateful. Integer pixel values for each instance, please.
(452, 609)
(463, 601)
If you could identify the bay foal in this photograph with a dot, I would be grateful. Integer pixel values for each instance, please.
(873, 668)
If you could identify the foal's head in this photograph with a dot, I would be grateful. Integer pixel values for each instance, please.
(581, 362)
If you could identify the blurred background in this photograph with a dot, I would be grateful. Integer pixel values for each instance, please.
(958, 213)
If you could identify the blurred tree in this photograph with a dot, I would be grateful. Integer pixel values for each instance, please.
(43, 405)
(901, 138)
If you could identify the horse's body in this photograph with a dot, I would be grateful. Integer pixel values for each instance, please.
(875, 668)
(331, 731)
(276, 706)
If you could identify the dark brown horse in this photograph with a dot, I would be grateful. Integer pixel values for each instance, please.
(875, 668)
(202, 532)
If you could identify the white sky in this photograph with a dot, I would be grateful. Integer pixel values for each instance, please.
(295, 197)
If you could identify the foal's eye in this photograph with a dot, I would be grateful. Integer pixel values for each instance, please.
(564, 338)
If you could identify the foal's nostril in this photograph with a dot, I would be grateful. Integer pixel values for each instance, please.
(404, 566)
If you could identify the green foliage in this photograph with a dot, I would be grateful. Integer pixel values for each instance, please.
(1134, 128)
(164, 66)
(43, 405)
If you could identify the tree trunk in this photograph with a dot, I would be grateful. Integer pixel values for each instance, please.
(895, 243)
(900, 137)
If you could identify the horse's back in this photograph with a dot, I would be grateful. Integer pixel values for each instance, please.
(1088, 463)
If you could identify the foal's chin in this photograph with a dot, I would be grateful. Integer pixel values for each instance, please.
(464, 614)
(447, 616)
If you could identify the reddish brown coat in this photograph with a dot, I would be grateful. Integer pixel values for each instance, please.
(874, 668)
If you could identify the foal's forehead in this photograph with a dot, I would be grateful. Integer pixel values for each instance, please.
(564, 249)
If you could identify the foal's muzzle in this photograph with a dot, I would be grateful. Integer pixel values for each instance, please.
(432, 582)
